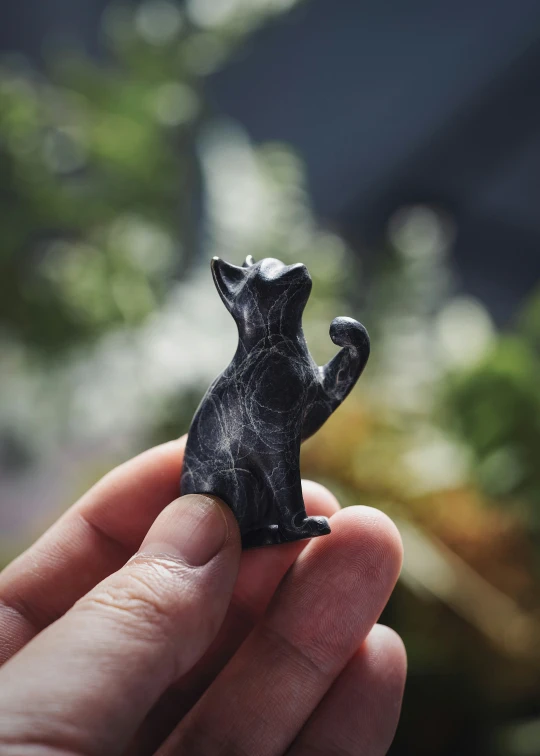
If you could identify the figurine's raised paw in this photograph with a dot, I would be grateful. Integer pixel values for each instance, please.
(346, 332)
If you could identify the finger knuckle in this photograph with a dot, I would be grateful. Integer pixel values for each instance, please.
(141, 597)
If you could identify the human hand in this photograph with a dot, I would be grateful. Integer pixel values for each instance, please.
(136, 625)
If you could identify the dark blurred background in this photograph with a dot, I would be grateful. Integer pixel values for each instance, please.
(394, 148)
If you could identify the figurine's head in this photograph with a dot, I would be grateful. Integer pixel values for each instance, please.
(262, 293)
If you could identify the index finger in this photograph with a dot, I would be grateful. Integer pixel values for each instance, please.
(93, 539)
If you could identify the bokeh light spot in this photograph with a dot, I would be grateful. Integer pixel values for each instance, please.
(158, 21)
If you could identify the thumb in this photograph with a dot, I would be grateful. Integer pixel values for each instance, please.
(85, 683)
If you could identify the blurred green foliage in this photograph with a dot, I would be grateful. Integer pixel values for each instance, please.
(495, 408)
(98, 170)
(90, 222)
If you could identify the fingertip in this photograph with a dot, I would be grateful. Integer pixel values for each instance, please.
(365, 546)
(387, 649)
(167, 457)
(382, 663)
(374, 535)
(318, 499)
(233, 541)
(194, 528)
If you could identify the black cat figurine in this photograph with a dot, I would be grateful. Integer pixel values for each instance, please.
(244, 441)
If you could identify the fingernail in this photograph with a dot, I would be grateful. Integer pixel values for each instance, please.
(193, 528)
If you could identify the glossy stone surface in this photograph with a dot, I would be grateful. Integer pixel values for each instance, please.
(244, 441)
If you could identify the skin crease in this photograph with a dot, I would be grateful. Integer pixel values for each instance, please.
(137, 625)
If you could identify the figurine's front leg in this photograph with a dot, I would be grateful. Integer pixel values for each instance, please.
(294, 524)
(340, 374)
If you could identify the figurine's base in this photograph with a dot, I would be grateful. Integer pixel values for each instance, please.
(310, 528)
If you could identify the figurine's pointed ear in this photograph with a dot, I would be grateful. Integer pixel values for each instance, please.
(228, 279)
(248, 262)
